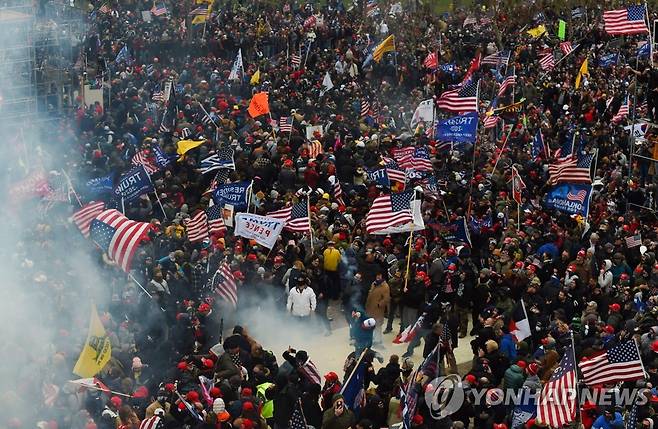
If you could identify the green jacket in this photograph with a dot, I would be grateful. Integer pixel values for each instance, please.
(344, 421)
(513, 378)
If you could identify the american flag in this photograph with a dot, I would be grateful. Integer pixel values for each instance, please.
(158, 96)
(200, 11)
(388, 211)
(297, 420)
(431, 61)
(207, 119)
(463, 99)
(59, 189)
(372, 8)
(315, 149)
(517, 185)
(429, 368)
(295, 60)
(499, 58)
(197, 227)
(224, 284)
(510, 80)
(470, 20)
(118, 236)
(338, 193)
(154, 422)
(410, 331)
(285, 124)
(573, 169)
(142, 158)
(631, 418)
(215, 219)
(393, 170)
(159, 9)
(567, 48)
(625, 21)
(619, 363)
(310, 22)
(310, 372)
(83, 217)
(556, 404)
(365, 108)
(416, 158)
(296, 217)
(546, 61)
(578, 196)
(634, 240)
(105, 9)
(643, 109)
(472, 68)
(490, 121)
(220, 178)
(622, 112)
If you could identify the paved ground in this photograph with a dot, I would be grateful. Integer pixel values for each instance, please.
(329, 352)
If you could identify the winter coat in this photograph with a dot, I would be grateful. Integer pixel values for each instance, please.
(379, 300)
(508, 347)
(513, 378)
(532, 382)
(344, 421)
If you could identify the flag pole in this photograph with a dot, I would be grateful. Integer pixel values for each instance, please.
(131, 277)
(646, 14)
(68, 180)
(639, 354)
(406, 275)
(292, 119)
(501, 149)
(123, 206)
(310, 227)
(86, 386)
(575, 374)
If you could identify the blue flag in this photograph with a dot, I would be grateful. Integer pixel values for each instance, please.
(380, 177)
(526, 410)
(572, 198)
(100, 185)
(460, 128)
(448, 68)
(429, 368)
(134, 183)
(124, 56)
(161, 158)
(538, 147)
(454, 231)
(232, 193)
(644, 51)
(608, 60)
(354, 388)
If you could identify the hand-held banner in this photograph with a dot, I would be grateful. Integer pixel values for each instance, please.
(265, 230)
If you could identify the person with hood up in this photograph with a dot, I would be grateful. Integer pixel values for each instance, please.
(338, 416)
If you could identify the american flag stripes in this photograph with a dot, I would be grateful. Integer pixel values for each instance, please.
(490, 121)
(619, 363)
(105, 9)
(625, 21)
(431, 61)
(158, 96)
(296, 217)
(159, 9)
(546, 61)
(416, 158)
(567, 48)
(295, 60)
(578, 196)
(388, 211)
(83, 217)
(634, 241)
(517, 186)
(185, 132)
(510, 80)
(142, 158)
(315, 149)
(215, 219)
(499, 58)
(154, 422)
(463, 99)
(338, 193)
(118, 236)
(572, 169)
(197, 227)
(622, 113)
(224, 284)
(556, 405)
(365, 108)
(285, 124)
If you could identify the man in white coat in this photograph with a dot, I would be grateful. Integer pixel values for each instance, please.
(301, 301)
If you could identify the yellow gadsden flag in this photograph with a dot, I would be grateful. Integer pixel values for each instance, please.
(97, 350)
(387, 45)
(582, 72)
(537, 31)
(255, 78)
(183, 146)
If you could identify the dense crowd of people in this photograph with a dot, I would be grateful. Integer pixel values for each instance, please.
(182, 354)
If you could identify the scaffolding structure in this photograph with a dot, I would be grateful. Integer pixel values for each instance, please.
(40, 41)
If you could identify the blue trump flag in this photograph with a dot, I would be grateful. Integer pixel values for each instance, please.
(354, 388)
(100, 185)
(460, 128)
(644, 51)
(454, 231)
(380, 177)
(572, 198)
(161, 158)
(134, 183)
(232, 193)
(608, 60)
(538, 147)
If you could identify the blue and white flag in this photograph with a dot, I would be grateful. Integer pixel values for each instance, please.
(572, 198)
(644, 51)
(450, 68)
(354, 388)
(526, 409)
(380, 177)
(460, 128)
(134, 183)
(161, 158)
(608, 60)
(124, 56)
(237, 67)
(100, 185)
(538, 146)
(232, 193)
